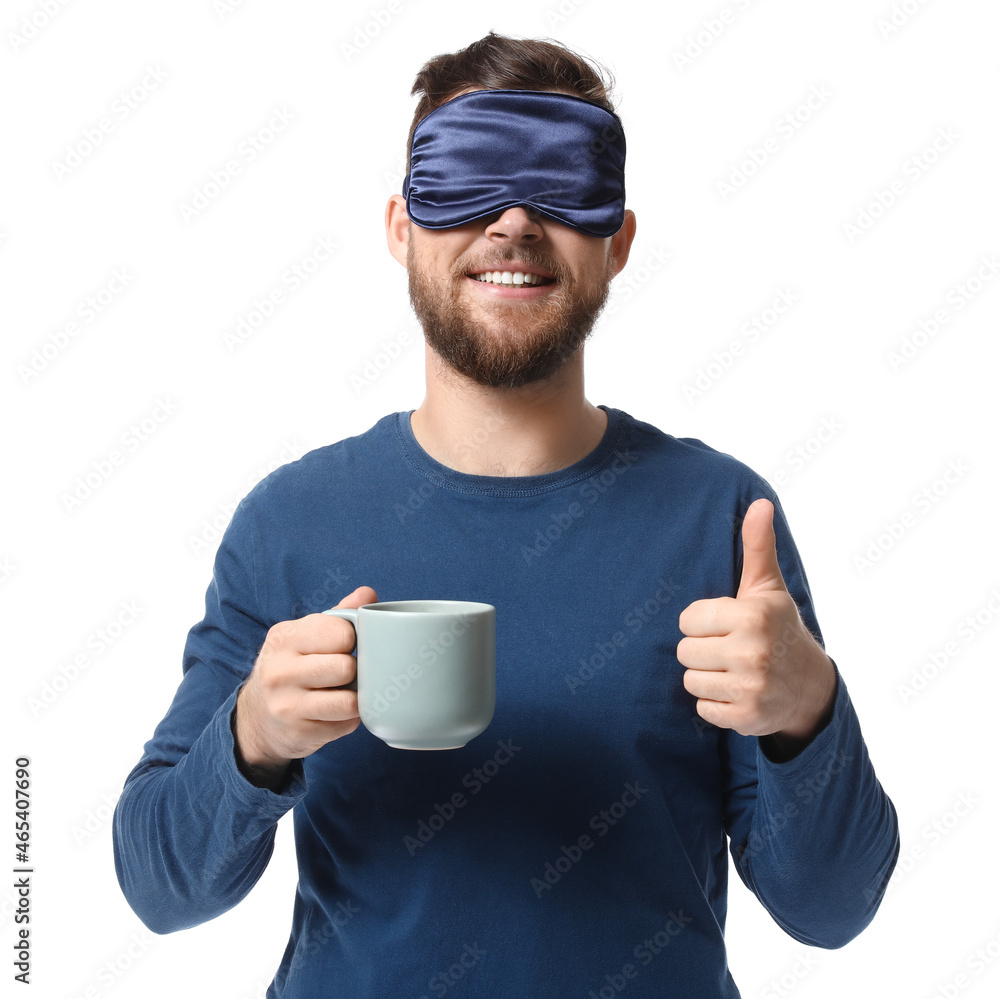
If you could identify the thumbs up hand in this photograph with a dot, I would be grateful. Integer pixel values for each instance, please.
(750, 660)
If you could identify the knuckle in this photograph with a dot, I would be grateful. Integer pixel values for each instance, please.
(755, 658)
(343, 668)
(275, 675)
(756, 620)
(270, 674)
(286, 710)
(283, 629)
(278, 636)
(754, 687)
(346, 637)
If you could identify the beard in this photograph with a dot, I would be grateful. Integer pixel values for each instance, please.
(524, 341)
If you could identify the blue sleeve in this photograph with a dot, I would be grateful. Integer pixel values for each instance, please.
(191, 835)
(815, 838)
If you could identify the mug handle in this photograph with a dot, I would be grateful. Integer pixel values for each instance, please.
(348, 614)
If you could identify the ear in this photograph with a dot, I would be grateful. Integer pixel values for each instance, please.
(397, 227)
(621, 241)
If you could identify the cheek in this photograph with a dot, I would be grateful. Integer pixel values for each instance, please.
(439, 250)
(588, 255)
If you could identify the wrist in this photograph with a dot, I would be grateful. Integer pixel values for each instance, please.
(789, 741)
(259, 767)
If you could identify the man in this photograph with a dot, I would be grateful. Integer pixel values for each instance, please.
(661, 683)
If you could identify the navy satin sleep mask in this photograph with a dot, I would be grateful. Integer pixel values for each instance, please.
(486, 151)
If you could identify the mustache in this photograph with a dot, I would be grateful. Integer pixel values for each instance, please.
(495, 260)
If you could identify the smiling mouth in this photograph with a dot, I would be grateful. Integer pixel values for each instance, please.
(511, 278)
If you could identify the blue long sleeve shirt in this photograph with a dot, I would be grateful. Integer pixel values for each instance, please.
(580, 845)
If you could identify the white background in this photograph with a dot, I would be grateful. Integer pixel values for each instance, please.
(872, 436)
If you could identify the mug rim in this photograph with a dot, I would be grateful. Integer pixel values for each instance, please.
(444, 607)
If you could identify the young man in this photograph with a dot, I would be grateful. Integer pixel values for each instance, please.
(661, 682)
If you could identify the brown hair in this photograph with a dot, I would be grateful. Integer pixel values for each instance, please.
(498, 62)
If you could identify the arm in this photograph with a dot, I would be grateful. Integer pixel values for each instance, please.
(814, 837)
(192, 837)
(191, 834)
(194, 827)
(812, 832)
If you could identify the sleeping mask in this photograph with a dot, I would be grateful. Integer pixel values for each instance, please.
(484, 152)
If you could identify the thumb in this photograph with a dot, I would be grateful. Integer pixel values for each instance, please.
(361, 596)
(760, 555)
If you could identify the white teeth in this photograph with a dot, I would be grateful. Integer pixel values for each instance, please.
(508, 277)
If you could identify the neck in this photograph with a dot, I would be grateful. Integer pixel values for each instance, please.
(531, 430)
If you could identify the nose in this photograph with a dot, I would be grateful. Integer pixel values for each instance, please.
(515, 225)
